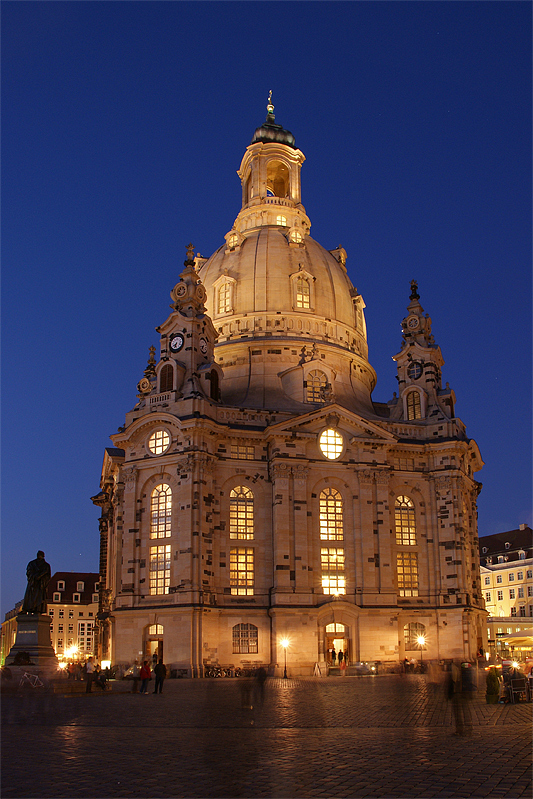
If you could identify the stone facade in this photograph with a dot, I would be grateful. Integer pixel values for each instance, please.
(256, 492)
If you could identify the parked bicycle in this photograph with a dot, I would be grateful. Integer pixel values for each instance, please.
(30, 679)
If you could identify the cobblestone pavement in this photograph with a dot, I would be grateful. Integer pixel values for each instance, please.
(340, 737)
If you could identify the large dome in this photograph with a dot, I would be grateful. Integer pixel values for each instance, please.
(286, 312)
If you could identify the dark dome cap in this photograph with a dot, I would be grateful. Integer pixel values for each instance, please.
(270, 132)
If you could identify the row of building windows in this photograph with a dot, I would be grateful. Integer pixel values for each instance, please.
(510, 577)
(512, 593)
(241, 526)
(76, 598)
(61, 613)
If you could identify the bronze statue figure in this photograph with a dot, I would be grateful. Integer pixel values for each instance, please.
(38, 573)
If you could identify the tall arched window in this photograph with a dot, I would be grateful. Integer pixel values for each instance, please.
(161, 512)
(315, 386)
(244, 639)
(404, 521)
(414, 410)
(166, 378)
(241, 513)
(224, 298)
(303, 293)
(331, 523)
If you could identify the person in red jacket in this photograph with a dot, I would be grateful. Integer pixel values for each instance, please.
(145, 675)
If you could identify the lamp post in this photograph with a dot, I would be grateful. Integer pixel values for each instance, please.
(285, 643)
(421, 641)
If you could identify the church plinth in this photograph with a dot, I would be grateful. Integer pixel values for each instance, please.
(33, 650)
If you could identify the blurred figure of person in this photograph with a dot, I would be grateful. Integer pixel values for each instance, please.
(460, 690)
(89, 674)
(135, 673)
(71, 670)
(245, 688)
(342, 664)
(160, 671)
(340, 656)
(259, 685)
(145, 675)
(333, 656)
(405, 664)
(99, 677)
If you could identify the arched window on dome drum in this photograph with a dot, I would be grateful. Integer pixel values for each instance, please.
(414, 410)
(277, 180)
(166, 378)
(303, 293)
(315, 386)
(161, 512)
(241, 513)
(244, 639)
(224, 298)
(281, 220)
(331, 522)
(404, 521)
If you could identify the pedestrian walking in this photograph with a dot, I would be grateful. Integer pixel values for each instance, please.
(333, 656)
(146, 676)
(259, 686)
(160, 671)
(89, 674)
(340, 656)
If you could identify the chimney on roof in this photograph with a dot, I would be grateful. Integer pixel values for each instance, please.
(523, 526)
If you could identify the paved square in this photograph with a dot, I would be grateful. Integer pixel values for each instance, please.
(387, 736)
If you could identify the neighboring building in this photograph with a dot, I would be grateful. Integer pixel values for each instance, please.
(73, 607)
(507, 582)
(256, 491)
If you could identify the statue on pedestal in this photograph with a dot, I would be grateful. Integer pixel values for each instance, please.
(38, 573)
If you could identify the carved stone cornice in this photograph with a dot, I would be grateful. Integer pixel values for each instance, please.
(188, 461)
(129, 477)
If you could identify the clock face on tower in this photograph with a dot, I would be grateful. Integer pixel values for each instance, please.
(176, 342)
(203, 346)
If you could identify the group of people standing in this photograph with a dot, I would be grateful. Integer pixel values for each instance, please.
(341, 657)
(144, 674)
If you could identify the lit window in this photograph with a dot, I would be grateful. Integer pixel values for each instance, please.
(331, 444)
(166, 378)
(303, 293)
(241, 513)
(224, 298)
(411, 633)
(404, 520)
(335, 628)
(241, 571)
(245, 639)
(281, 220)
(487, 596)
(331, 525)
(243, 452)
(315, 386)
(161, 512)
(407, 571)
(414, 410)
(332, 564)
(160, 569)
(296, 236)
(159, 442)
(233, 240)
(155, 629)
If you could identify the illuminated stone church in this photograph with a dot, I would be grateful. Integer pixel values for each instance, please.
(257, 494)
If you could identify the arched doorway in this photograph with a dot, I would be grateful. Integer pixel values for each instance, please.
(153, 643)
(337, 640)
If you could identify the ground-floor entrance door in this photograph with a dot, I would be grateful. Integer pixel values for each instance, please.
(337, 640)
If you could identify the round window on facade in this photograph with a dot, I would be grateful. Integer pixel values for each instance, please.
(159, 442)
(331, 444)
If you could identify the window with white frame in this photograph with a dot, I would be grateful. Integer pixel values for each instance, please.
(330, 515)
(245, 639)
(332, 567)
(160, 569)
(161, 512)
(241, 571)
(241, 513)
(487, 580)
(224, 298)
(76, 598)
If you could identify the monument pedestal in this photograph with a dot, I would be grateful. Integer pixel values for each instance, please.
(33, 651)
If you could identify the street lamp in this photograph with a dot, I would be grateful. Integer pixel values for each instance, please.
(285, 643)
(421, 641)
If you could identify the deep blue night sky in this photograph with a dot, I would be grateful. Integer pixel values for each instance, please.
(123, 127)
